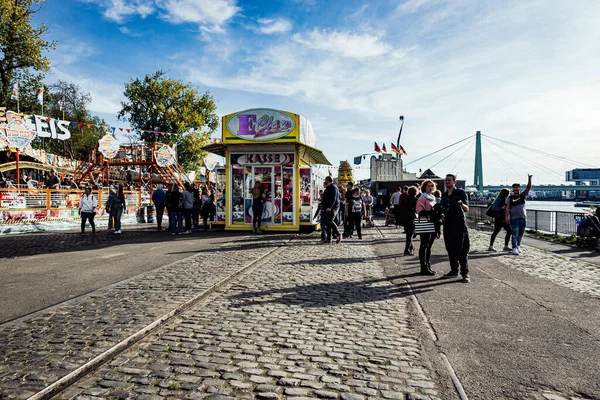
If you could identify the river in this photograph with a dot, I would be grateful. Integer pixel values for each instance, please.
(554, 206)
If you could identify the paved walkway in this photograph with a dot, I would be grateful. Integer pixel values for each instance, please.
(299, 324)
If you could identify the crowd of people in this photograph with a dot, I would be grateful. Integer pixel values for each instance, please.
(422, 210)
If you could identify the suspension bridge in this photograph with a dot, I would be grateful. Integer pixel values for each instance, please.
(503, 150)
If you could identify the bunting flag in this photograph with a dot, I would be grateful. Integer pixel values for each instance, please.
(113, 129)
(377, 149)
(400, 133)
(15, 91)
(40, 96)
(384, 149)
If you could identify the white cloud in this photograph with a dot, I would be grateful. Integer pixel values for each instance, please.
(346, 43)
(270, 26)
(70, 51)
(210, 15)
(126, 31)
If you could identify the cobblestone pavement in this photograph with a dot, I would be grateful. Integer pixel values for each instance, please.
(312, 321)
(573, 273)
(38, 349)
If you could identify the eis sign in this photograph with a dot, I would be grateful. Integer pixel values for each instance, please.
(260, 124)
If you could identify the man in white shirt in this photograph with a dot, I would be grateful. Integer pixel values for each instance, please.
(395, 201)
(87, 209)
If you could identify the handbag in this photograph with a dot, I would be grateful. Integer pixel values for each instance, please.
(490, 212)
(424, 225)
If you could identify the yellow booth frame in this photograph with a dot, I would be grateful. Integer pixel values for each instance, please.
(278, 149)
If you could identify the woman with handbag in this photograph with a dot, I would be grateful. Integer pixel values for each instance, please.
(117, 206)
(496, 211)
(425, 211)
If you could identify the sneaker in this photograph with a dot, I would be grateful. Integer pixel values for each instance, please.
(507, 248)
(119, 231)
(466, 279)
(519, 249)
(491, 248)
(173, 234)
(515, 251)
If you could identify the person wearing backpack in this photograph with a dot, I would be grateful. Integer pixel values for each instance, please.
(87, 209)
(175, 206)
(356, 208)
(498, 213)
(117, 205)
(407, 219)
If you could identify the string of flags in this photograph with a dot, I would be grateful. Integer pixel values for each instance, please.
(394, 149)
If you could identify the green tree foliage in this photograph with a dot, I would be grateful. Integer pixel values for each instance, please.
(22, 46)
(159, 104)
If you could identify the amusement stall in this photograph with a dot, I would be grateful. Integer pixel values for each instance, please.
(278, 149)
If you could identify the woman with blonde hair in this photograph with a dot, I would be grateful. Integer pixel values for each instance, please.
(425, 209)
(258, 204)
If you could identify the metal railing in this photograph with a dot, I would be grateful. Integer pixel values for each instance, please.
(559, 222)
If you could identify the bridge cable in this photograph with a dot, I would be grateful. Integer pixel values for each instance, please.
(523, 158)
(541, 152)
(437, 151)
(451, 154)
(489, 147)
(463, 156)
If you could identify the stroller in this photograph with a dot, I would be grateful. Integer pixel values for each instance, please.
(390, 217)
(368, 217)
(588, 230)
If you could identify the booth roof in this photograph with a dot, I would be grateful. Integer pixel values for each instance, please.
(315, 154)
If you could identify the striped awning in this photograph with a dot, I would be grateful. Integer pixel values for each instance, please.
(315, 156)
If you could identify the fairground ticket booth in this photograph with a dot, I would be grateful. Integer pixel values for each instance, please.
(277, 149)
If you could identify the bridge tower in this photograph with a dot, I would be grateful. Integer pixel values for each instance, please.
(478, 175)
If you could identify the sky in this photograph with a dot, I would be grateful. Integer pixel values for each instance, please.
(525, 72)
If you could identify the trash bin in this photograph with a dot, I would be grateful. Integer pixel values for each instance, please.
(150, 212)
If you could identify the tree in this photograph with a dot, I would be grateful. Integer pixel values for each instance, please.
(21, 45)
(159, 104)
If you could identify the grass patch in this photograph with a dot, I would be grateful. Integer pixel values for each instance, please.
(553, 237)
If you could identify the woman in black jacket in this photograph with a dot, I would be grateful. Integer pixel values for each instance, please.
(408, 212)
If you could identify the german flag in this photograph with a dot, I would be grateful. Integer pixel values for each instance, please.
(401, 149)
(377, 148)
(395, 149)
(384, 149)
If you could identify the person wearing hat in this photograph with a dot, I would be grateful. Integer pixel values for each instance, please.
(516, 214)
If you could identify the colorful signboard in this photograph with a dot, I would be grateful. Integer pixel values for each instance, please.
(165, 156)
(108, 146)
(260, 124)
(17, 131)
(263, 158)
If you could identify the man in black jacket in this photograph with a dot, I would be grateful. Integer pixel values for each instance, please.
(330, 204)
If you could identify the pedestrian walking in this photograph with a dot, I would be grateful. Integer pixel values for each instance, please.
(159, 198)
(188, 206)
(117, 206)
(197, 206)
(356, 209)
(425, 209)
(516, 215)
(330, 204)
(407, 214)
(206, 207)
(497, 211)
(395, 203)
(212, 212)
(347, 225)
(454, 205)
(87, 209)
(258, 204)
(111, 215)
(175, 205)
(368, 199)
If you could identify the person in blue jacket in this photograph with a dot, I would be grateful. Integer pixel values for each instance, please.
(159, 198)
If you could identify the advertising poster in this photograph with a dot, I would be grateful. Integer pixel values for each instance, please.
(305, 188)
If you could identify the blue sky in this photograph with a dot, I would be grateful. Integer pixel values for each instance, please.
(522, 71)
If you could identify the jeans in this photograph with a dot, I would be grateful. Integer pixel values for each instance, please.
(354, 221)
(257, 212)
(160, 210)
(118, 213)
(456, 239)
(517, 226)
(175, 220)
(187, 215)
(88, 216)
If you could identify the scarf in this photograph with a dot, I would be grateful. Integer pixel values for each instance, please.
(429, 197)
